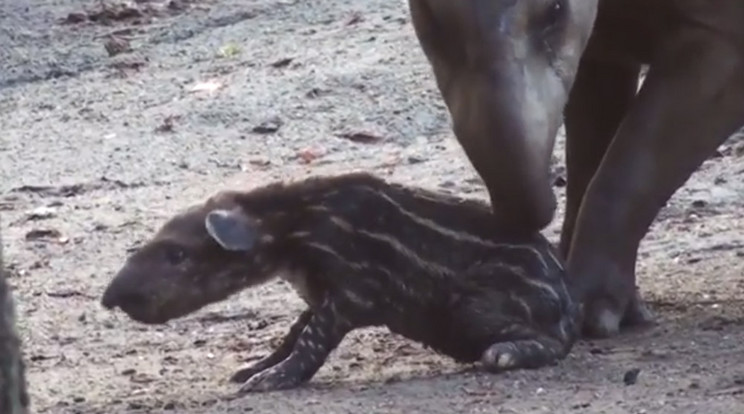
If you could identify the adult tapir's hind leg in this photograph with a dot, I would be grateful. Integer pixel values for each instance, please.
(691, 101)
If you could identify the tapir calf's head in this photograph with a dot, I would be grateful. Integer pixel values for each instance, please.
(505, 69)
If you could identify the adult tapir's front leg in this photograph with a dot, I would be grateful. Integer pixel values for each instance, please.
(691, 101)
(601, 96)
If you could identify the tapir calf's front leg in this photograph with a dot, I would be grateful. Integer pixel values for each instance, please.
(322, 334)
(279, 354)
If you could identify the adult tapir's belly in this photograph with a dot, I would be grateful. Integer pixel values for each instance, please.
(634, 31)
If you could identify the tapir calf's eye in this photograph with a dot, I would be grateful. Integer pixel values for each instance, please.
(175, 255)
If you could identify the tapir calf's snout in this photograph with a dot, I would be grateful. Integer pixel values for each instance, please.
(134, 300)
(110, 298)
(118, 294)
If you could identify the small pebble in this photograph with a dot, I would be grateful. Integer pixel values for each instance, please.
(116, 45)
(559, 181)
(76, 17)
(41, 213)
(699, 203)
(631, 377)
(282, 62)
(655, 353)
(268, 126)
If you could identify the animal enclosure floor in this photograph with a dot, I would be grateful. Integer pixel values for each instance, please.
(97, 150)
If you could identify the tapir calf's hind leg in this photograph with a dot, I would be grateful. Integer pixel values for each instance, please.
(523, 354)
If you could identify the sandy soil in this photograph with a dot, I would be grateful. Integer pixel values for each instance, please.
(97, 150)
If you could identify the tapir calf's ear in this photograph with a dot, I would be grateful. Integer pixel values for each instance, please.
(231, 229)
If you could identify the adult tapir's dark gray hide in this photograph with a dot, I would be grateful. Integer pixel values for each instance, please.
(508, 70)
(505, 69)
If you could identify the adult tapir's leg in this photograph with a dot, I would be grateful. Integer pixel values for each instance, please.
(691, 101)
(601, 95)
(504, 69)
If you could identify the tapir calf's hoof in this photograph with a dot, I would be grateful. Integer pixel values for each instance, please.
(273, 379)
(264, 383)
(242, 375)
(522, 354)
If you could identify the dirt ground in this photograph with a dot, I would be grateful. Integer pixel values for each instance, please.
(97, 150)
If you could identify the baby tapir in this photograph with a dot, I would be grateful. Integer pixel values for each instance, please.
(361, 252)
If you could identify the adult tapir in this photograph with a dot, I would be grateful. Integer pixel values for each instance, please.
(511, 70)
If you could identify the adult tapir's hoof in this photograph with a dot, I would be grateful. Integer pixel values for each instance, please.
(602, 319)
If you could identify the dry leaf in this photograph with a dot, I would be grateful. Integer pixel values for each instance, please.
(308, 155)
(361, 137)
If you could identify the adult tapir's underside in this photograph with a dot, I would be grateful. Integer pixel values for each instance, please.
(509, 70)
